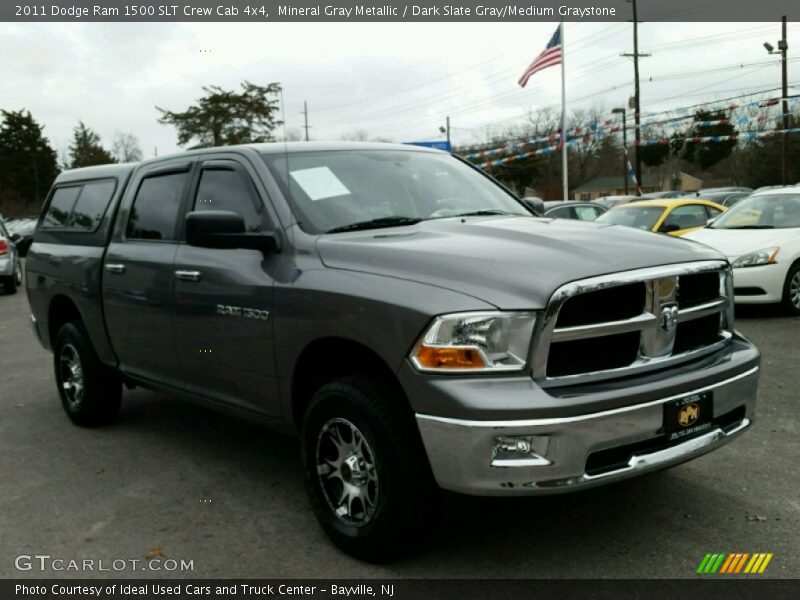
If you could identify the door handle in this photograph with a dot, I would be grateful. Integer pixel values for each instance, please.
(188, 275)
(115, 268)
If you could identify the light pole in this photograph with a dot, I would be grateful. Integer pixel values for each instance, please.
(621, 111)
(783, 48)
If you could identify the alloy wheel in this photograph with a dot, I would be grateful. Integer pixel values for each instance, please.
(794, 290)
(346, 468)
(71, 374)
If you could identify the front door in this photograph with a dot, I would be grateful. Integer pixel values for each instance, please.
(223, 298)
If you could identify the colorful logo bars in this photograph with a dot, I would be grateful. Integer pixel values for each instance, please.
(736, 562)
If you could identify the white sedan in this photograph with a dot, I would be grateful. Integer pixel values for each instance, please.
(761, 238)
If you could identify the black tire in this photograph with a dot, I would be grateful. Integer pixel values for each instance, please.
(12, 282)
(791, 291)
(403, 492)
(9, 285)
(91, 393)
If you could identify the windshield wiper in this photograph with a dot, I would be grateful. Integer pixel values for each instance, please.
(376, 223)
(485, 213)
(747, 227)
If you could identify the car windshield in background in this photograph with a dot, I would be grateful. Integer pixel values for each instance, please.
(641, 217)
(352, 189)
(773, 211)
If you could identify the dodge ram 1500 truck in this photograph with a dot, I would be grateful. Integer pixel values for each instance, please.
(401, 311)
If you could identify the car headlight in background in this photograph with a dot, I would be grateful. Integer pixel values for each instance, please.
(754, 259)
(478, 341)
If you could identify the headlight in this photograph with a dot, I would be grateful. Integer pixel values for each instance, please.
(754, 259)
(479, 341)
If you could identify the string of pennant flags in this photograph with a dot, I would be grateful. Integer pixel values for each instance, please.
(610, 126)
(597, 130)
(668, 118)
(747, 135)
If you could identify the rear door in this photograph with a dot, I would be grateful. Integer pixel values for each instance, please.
(223, 298)
(138, 281)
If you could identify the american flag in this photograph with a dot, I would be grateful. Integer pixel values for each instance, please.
(550, 57)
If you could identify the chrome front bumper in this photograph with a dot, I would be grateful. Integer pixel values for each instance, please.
(464, 457)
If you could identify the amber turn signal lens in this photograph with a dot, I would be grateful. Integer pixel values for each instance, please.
(449, 358)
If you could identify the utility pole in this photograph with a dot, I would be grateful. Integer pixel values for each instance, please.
(305, 117)
(618, 111)
(636, 96)
(783, 46)
(448, 118)
(783, 50)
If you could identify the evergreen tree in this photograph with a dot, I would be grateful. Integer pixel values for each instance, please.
(29, 163)
(85, 149)
(225, 118)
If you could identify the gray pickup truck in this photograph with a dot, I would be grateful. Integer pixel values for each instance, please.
(401, 311)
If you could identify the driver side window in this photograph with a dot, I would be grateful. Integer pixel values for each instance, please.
(229, 189)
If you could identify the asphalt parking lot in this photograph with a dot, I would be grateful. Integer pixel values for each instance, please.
(177, 481)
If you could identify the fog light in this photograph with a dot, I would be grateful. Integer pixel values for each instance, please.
(521, 451)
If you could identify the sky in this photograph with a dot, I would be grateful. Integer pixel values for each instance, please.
(397, 81)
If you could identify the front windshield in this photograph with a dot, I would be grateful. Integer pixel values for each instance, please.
(770, 211)
(335, 188)
(641, 217)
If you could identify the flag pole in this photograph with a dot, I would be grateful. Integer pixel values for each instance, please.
(564, 166)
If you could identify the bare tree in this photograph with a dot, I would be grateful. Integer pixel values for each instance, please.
(125, 147)
(356, 135)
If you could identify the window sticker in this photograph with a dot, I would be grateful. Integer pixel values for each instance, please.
(319, 183)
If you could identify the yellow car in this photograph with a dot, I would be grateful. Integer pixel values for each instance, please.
(673, 217)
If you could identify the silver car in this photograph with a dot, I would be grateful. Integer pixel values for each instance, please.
(10, 267)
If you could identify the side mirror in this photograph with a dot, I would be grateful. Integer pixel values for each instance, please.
(225, 229)
(669, 228)
(15, 237)
(535, 205)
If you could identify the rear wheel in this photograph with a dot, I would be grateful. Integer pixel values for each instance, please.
(367, 475)
(90, 392)
(791, 290)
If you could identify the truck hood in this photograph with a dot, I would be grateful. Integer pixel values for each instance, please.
(510, 262)
(735, 242)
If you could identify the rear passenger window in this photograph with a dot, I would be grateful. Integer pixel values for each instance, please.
(155, 209)
(91, 205)
(61, 206)
(223, 189)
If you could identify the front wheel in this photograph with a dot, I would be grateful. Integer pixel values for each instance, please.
(367, 476)
(90, 392)
(791, 290)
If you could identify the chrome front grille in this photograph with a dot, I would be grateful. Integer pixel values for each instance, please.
(636, 321)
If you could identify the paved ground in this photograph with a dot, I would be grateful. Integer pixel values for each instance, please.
(180, 480)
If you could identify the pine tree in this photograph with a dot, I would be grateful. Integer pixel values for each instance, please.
(85, 149)
(225, 118)
(29, 163)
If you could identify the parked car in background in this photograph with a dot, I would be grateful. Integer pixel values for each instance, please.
(10, 266)
(21, 231)
(661, 195)
(612, 201)
(731, 188)
(761, 238)
(674, 217)
(726, 199)
(571, 209)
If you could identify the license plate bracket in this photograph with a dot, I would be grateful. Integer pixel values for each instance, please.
(688, 416)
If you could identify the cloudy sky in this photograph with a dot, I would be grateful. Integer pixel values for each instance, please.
(397, 81)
